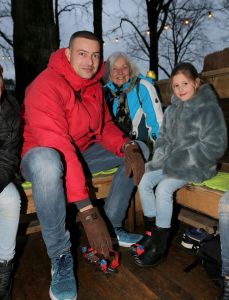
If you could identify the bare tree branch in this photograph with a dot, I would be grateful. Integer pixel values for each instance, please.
(73, 6)
(6, 38)
(137, 30)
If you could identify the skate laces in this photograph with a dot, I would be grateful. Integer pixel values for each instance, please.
(139, 249)
(106, 266)
(63, 266)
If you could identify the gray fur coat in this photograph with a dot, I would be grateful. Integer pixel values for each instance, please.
(192, 138)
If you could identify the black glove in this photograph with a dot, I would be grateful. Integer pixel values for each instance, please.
(134, 163)
(96, 231)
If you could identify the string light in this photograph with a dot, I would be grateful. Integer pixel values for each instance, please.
(117, 39)
(151, 74)
(210, 14)
(4, 57)
(186, 22)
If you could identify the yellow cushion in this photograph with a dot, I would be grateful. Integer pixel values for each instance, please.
(219, 182)
(106, 172)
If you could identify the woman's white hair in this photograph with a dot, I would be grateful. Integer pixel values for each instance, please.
(111, 61)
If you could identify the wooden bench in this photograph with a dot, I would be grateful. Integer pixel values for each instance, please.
(101, 186)
(199, 206)
(200, 199)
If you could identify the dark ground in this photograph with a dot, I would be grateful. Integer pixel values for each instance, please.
(168, 281)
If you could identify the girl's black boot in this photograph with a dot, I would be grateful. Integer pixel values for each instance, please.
(149, 223)
(156, 253)
(146, 241)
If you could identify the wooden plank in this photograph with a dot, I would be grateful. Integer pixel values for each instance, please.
(164, 91)
(197, 220)
(224, 165)
(138, 210)
(101, 185)
(121, 286)
(200, 199)
(217, 78)
(216, 72)
(27, 203)
(30, 228)
(169, 281)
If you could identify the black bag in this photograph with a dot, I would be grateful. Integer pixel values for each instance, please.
(209, 256)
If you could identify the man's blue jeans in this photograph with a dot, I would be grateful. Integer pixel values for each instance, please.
(224, 229)
(158, 203)
(44, 168)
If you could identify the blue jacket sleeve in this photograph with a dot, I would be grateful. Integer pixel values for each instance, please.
(151, 106)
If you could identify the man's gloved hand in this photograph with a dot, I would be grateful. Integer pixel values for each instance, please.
(134, 163)
(96, 231)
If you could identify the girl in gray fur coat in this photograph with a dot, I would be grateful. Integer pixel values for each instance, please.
(191, 139)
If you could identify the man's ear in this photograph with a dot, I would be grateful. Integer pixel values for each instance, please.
(68, 54)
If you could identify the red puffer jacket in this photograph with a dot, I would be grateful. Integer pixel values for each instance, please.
(66, 112)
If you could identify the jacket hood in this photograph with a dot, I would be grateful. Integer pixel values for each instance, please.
(205, 95)
(59, 63)
(149, 79)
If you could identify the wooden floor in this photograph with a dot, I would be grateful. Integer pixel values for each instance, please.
(167, 281)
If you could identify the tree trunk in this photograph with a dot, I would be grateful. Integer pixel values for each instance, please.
(35, 37)
(98, 27)
(152, 23)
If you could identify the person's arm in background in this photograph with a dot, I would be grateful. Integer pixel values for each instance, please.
(151, 106)
(10, 139)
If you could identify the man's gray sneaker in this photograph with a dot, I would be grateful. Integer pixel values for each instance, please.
(63, 284)
(126, 239)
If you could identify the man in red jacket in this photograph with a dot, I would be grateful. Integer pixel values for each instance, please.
(67, 126)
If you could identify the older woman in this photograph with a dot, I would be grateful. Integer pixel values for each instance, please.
(9, 196)
(132, 98)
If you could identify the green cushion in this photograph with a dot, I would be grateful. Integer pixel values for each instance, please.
(106, 172)
(28, 184)
(219, 182)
